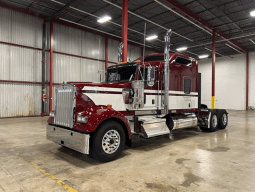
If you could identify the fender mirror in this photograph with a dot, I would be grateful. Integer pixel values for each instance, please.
(151, 76)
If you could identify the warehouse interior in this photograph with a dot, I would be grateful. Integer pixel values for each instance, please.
(44, 43)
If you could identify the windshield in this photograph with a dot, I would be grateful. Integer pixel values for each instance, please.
(152, 58)
(121, 73)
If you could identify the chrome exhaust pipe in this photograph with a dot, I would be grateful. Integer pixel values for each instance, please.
(166, 71)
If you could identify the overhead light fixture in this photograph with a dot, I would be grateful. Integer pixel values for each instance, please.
(149, 38)
(203, 56)
(181, 49)
(234, 48)
(252, 13)
(252, 41)
(104, 19)
(215, 51)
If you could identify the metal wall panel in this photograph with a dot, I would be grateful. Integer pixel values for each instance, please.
(93, 45)
(78, 42)
(68, 68)
(133, 51)
(20, 99)
(25, 64)
(113, 50)
(20, 28)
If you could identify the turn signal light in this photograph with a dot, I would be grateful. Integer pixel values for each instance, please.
(109, 106)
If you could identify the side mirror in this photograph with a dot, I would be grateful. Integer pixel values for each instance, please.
(151, 76)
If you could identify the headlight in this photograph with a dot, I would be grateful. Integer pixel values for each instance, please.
(82, 119)
(52, 113)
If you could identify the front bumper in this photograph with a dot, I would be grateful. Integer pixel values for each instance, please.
(68, 138)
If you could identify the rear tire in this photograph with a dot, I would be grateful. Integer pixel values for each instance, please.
(107, 142)
(213, 122)
(223, 119)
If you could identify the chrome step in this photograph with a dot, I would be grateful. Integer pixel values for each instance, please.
(154, 126)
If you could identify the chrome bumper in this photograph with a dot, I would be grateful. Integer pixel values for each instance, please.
(73, 140)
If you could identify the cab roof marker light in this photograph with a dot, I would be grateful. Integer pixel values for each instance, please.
(182, 49)
(203, 56)
(151, 37)
(104, 19)
(252, 13)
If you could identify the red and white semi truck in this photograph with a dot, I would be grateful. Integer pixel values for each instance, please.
(151, 96)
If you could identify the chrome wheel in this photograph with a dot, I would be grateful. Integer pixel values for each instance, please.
(214, 121)
(111, 141)
(224, 119)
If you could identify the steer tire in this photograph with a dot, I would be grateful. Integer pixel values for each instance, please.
(223, 119)
(213, 121)
(111, 147)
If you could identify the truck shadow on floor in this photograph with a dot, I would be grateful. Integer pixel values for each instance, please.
(141, 144)
(160, 141)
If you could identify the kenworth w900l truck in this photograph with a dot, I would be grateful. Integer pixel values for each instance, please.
(148, 97)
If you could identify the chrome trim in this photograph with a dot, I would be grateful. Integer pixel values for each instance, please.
(208, 121)
(131, 123)
(154, 126)
(111, 141)
(188, 121)
(148, 112)
(71, 139)
(166, 71)
(225, 119)
(64, 106)
(138, 99)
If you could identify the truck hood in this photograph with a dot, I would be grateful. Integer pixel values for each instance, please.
(91, 94)
(81, 85)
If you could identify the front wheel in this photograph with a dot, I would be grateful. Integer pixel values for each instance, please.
(107, 142)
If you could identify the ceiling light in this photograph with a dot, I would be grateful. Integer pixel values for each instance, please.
(252, 41)
(151, 37)
(104, 19)
(234, 48)
(181, 49)
(215, 51)
(252, 13)
(203, 56)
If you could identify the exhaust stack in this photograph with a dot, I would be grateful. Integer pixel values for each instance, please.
(166, 71)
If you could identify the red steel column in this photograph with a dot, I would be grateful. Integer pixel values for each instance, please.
(51, 65)
(124, 29)
(213, 67)
(106, 53)
(247, 80)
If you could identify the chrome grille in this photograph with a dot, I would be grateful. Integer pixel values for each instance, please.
(64, 107)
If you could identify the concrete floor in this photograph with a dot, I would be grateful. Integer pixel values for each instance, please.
(187, 160)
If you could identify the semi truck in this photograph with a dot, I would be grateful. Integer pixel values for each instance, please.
(148, 97)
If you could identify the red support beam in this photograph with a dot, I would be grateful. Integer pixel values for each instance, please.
(247, 80)
(213, 67)
(124, 29)
(201, 21)
(106, 53)
(51, 66)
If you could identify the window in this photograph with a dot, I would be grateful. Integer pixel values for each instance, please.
(154, 58)
(183, 61)
(141, 74)
(121, 73)
(187, 85)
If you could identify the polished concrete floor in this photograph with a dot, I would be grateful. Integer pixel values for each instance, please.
(187, 160)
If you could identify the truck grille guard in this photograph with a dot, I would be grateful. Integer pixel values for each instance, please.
(65, 105)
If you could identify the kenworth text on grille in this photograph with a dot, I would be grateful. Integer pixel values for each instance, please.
(149, 97)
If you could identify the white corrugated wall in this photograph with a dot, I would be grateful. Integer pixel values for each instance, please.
(19, 63)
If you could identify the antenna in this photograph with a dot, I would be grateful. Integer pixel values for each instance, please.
(144, 35)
